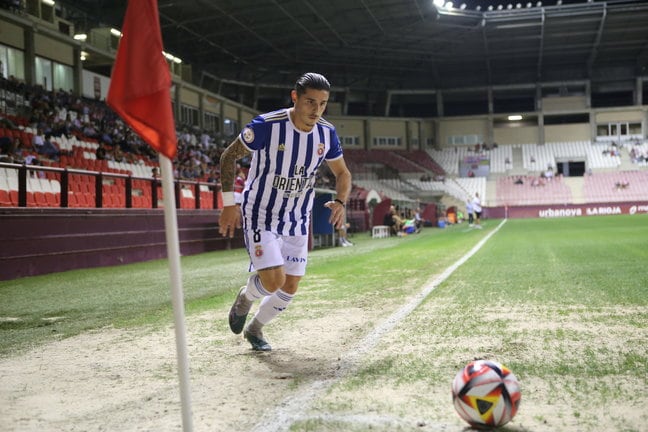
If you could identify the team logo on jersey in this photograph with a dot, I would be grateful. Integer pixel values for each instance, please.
(258, 251)
(320, 149)
(248, 135)
(282, 147)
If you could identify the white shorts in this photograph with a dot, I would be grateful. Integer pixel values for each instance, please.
(267, 249)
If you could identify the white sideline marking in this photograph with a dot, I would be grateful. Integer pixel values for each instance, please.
(377, 420)
(290, 408)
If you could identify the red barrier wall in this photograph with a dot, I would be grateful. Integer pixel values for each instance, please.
(39, 241)
(571, 210)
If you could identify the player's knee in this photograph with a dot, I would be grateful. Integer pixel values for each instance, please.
(291, 285)
(272, 280)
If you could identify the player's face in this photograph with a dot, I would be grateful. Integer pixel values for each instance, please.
(308, 108)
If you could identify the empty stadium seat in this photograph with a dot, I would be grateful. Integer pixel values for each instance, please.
(5, 199)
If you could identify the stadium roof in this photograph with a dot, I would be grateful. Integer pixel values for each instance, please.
(399, 44)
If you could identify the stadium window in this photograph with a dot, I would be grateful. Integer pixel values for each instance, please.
(618, 130)
(514, 104)
(13, 62)
(230, 127)
(612, 99)
(43, 72)
(52, 75)
(211, 122)
(566, 119)
(635, 130)
(188, 115)
(460, 140)
(62, 77)
(387, 141)
(454, 109)
(350, 140)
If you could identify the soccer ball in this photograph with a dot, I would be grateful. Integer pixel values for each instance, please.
(486, 394)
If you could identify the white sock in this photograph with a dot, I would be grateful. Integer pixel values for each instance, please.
(272, 305)
(254, 289)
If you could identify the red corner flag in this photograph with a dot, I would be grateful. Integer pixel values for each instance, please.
(140, 85)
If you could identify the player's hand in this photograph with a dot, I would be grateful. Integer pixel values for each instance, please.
(230, 219)
(338, 213)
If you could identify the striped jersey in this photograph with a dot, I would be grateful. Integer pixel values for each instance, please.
(278, 194)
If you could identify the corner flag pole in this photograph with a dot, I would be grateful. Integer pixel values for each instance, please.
(177, 298)
(139, 93)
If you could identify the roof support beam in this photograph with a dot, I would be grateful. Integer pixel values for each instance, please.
(597, 42)
(326, 23)
(269, 43)
(202, 38)
(301, 26)
(489, 74)
(373, 17)
(541, 48)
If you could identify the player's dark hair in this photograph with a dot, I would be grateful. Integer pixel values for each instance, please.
(311, 80)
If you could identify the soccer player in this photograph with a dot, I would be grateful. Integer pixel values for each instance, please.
(287, 147)
(469, 210)
(477, 208)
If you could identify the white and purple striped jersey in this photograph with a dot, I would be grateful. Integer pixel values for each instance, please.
(278, 194)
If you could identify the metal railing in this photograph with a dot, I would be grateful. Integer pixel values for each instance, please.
(24, 172)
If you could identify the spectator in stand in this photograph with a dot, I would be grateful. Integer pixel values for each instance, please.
(6, 145)
(57, 113)
(100, 153)
(38, 140)
(205, 141)
(549, 174)
(622, 184)
(44, 146)
(118, 154)
(11, 150)
(213, 175)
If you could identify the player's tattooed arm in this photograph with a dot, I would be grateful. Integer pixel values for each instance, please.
(232, 153)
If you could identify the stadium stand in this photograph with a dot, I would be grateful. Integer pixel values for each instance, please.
(422, 159)
(639, 154)
(392, 160)
(79, 128)
(100, 154)
(616, 186)
(386, 188)
(532, 190)
(501, 159)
